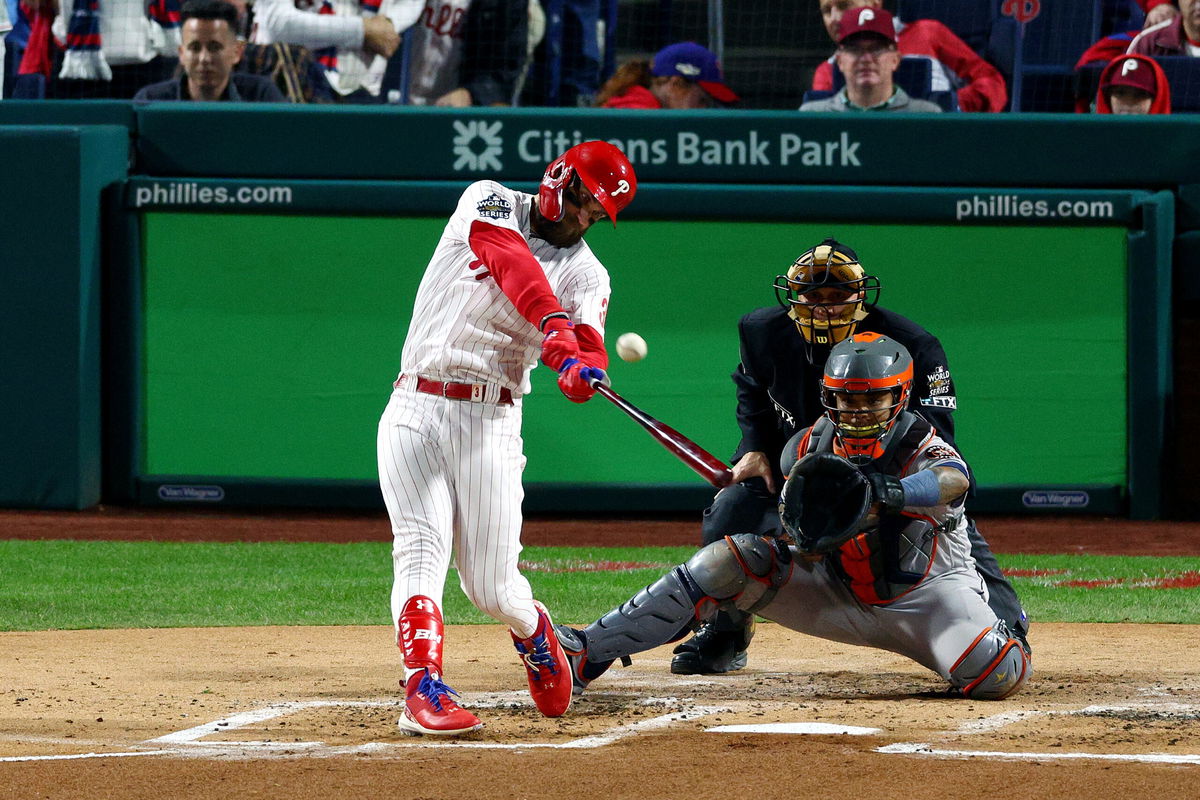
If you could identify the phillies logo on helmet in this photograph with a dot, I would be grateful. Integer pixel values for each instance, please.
(622, 188)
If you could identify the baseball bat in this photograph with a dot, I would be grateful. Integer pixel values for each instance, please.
(699, 460)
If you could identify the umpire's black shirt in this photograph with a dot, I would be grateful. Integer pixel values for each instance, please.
(778, 387)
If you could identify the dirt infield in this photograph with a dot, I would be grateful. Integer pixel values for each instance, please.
(304, 713)
(1096, 535)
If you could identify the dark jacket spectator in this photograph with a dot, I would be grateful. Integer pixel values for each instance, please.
(242, 88)
(208, 50)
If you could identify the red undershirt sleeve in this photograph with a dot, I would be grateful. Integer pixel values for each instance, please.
(518, 274)
(591, 346)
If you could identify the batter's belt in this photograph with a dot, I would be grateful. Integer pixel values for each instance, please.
(475, 392)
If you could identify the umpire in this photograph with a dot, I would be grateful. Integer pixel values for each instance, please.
(825, 298)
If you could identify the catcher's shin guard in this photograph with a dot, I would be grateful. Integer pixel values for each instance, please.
(658, 614)
(993, 667)
(744, 571)
(420, 637)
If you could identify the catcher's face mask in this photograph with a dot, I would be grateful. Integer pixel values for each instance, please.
(866, 386)
(827, 292)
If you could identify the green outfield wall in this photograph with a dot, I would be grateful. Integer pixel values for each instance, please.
(280, 367)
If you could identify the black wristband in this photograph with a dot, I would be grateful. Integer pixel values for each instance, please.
(887, 492)
(548, 317)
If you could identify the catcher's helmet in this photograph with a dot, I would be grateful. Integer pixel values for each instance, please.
(859, 368)
(601, 167)
(827, 292)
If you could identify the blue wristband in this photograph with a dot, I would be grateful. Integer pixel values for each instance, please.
(921, 489)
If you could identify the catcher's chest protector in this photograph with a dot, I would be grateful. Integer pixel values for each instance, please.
(886, 562)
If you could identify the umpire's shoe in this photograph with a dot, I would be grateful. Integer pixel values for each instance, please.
(711, 651)
(583, 672)
(545, 666)
(429, 709)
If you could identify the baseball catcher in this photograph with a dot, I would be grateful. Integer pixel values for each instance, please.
(824, 298)
(873, 506)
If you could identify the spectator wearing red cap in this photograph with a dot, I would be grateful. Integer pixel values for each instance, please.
(1133, 84)
(980, 86)
(868, 57)
(682, 75)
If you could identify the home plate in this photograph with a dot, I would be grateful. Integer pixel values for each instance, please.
(795, 727)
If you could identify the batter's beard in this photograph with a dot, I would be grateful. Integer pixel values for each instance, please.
(564, 233)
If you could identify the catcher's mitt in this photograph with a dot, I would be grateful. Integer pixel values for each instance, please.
(824, 502)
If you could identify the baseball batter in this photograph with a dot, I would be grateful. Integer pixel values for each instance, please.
(877, 551)
(510, 280)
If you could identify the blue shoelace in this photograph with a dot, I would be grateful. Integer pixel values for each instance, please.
(540, 657)
(434, 690)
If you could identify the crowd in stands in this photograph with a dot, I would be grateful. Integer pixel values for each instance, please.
(495, 53)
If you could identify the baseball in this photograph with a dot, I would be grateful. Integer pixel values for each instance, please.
(631, 347)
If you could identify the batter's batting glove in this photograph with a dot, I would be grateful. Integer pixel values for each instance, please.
(559, 344)
(575, 380)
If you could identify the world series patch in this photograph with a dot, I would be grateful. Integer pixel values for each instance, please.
(494, 207)
(939, 380)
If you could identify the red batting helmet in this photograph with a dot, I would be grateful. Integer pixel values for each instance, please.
(602, 168)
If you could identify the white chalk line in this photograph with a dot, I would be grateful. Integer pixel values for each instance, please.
(794, 728)
(998, 721)
(191, 740)
(72, 756)
(912, 748)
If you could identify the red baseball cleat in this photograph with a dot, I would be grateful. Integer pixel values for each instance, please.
(546, 666)
(429, 709)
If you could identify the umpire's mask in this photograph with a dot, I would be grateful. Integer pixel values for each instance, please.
(827, 293)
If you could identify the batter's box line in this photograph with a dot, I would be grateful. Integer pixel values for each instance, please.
(913, 748)
(1004, 719)
(190, 740)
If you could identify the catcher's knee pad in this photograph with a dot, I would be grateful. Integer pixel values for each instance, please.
(741, 508)
(744, 571)
(658, 614)
(993, 667)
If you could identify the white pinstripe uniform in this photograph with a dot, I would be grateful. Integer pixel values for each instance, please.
(437, 50)
(450, 470)
(283, 21)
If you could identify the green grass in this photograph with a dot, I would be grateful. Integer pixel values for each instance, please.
(83, 584)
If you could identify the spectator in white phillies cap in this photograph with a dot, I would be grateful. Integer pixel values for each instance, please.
(868, 58)
(1133, 85)
(682, 75)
